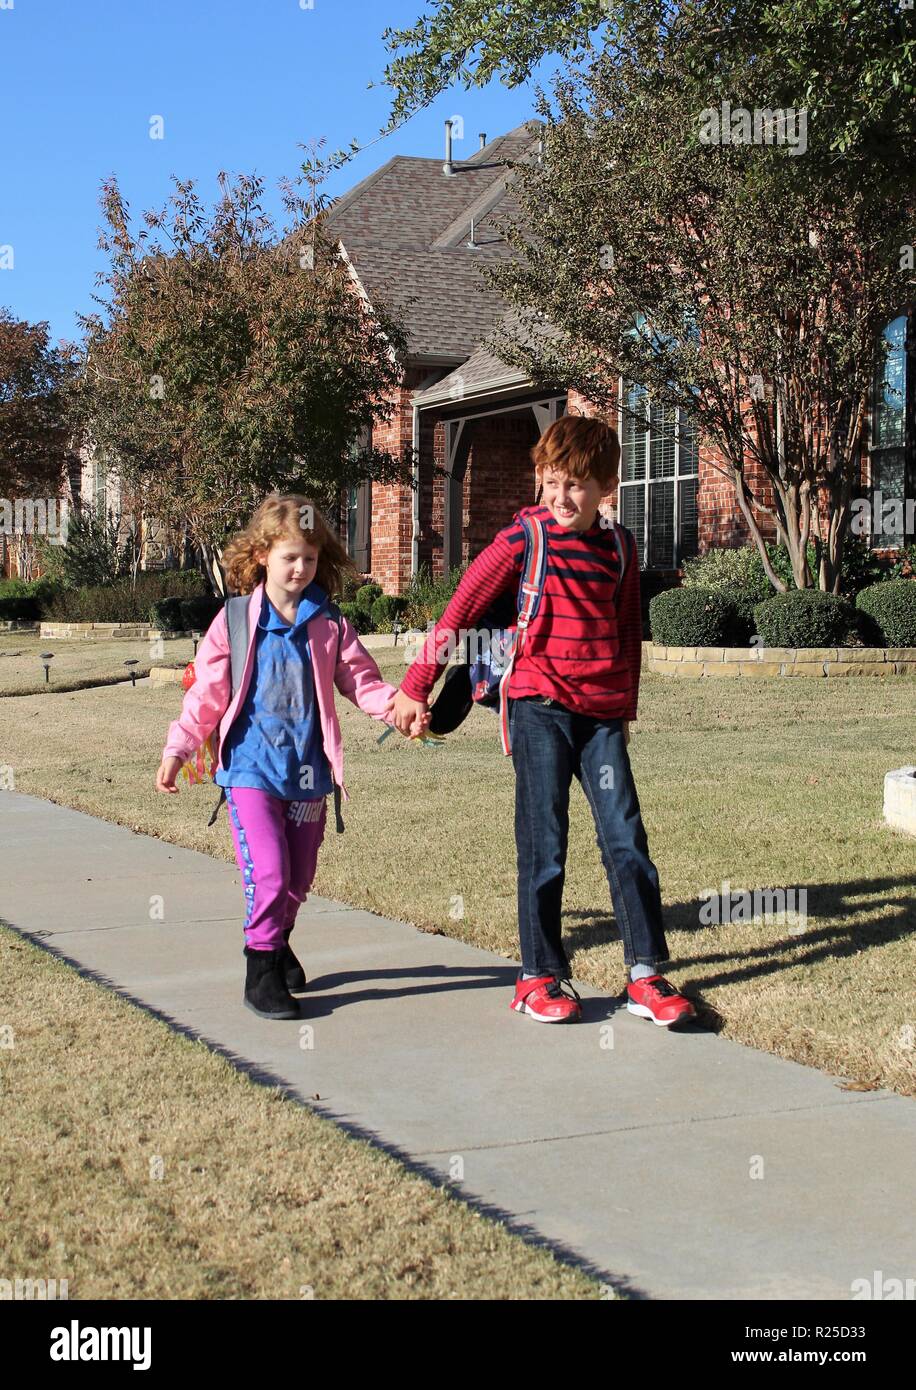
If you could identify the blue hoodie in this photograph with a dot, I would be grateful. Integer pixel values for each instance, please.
(275, 743)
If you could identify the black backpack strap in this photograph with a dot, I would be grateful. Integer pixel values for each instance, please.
(236, 609)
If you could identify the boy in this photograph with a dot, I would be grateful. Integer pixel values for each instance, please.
(571, 696)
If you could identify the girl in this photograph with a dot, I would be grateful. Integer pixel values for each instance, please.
(279, 739)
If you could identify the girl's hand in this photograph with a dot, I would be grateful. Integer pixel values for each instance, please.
(169, 769)
(411, 717)
(626, 732)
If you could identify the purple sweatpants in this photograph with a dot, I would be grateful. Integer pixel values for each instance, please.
(276, 845)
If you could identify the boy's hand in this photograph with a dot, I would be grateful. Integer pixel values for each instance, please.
(169, 769)
(626, 732)
(411, 717)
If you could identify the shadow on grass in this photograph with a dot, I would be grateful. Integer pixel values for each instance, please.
(824, 900)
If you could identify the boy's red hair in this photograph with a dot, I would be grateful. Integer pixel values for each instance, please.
(581, 447)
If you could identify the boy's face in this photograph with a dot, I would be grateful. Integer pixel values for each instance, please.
(573, 502)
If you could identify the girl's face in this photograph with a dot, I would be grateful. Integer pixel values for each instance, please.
(573, 502)
(291, 564)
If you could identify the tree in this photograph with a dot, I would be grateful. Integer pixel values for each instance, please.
(737, 283)
(229, 362)
(35, 423)
(848, 62)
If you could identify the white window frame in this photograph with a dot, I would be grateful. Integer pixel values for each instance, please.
(624, 385)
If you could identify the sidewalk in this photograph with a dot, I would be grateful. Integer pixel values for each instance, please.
(636, 1157)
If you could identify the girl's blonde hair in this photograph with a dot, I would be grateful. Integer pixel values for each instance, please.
(280, 518)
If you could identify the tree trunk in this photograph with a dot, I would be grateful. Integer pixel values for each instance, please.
(213, 569)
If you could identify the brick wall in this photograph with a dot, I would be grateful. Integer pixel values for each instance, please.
(499, 478)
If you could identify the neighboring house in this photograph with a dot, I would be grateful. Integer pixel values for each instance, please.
(416, 231)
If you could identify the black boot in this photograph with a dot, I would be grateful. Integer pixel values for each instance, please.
(265, 991)
(293, 973)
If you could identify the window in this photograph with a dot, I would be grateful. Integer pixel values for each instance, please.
(359, 511)
(659, 473)
(891, 455)
(351, 519)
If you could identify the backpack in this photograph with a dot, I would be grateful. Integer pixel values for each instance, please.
(487, 673)
(237, 627)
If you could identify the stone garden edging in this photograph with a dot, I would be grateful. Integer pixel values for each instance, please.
(782, 661)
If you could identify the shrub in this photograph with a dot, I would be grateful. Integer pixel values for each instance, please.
(890, 612)
(360, 619)
(691, 618)
(426, 597)
(905, 564)
(738, 575)
(198, 613)
(165, 614)
(41, 590)
(123, 602)
(385, 609)
(806, 618)
(726, 570)
(352, 583)
(366, 595)
(860, 568)
(19, 608)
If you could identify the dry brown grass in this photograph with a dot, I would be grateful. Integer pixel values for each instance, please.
(79, 663)
(136, 1163)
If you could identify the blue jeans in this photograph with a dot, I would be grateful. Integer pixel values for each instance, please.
(550, 744)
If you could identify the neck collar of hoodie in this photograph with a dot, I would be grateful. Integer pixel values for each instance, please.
(312, 601)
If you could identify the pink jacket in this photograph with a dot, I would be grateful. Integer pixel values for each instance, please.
(209, 702)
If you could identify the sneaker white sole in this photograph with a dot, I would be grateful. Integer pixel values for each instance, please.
(540, 1018)
(642, 1012)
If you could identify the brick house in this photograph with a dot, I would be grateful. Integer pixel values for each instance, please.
(416, 230)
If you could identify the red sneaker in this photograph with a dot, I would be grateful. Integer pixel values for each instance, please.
(545, 999)
(655, 998)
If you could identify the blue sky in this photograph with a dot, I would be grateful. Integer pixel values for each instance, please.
(239, 87)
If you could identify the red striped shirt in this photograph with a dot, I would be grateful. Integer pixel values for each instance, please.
(584, 646)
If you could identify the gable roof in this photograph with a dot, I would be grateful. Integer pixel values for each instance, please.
(484, 372)
(405, 227)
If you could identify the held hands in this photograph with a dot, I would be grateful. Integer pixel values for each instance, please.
(169, 769)
(411, 717)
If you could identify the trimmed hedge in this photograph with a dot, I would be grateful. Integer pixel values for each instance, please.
(22, 610)
(366, 596)
(123, 602)
(806, 618)
(165, 614)
(692, 618)
(25, 600)
(198, 613)
(360, 619)
(385, 609)
(889, 611)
